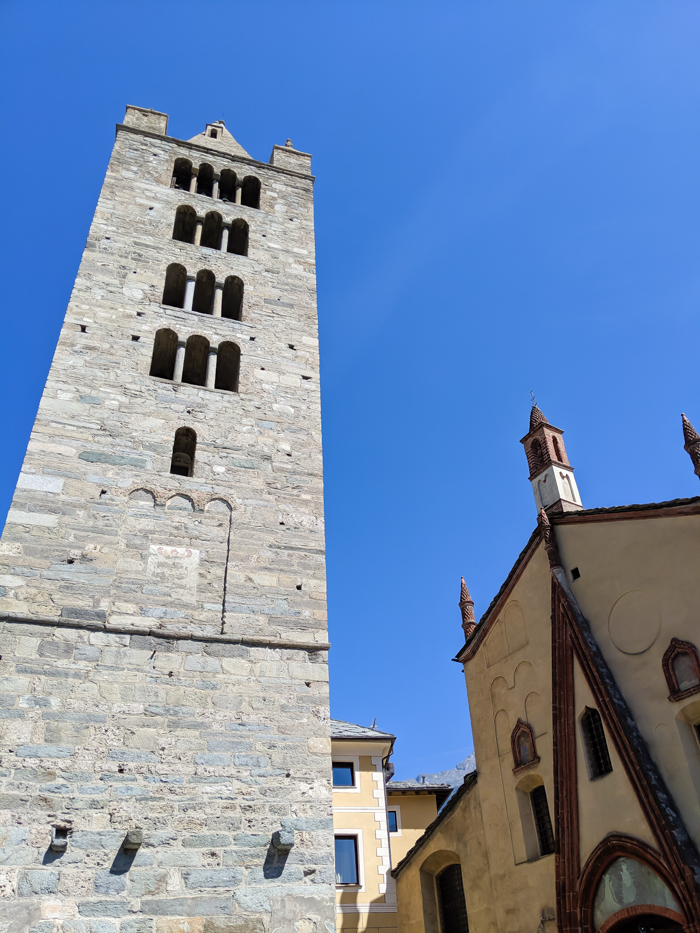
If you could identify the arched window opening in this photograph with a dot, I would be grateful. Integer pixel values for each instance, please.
(175, 281)
(211, 231)
(227, 186)
(250, 193)
(184, 446)
(595, 743)
(451, 903)
(205, 180)
(232, 299)
(196, 354)
(238, 238)
(522, 743)
(164, 351)
(557, 450)
(185, 223)
(228, 362)
(536, 454)
(543, 821)
(203, 300)
(182, 174)
(681, 666)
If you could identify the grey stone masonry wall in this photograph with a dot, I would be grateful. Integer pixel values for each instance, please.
(164, 642)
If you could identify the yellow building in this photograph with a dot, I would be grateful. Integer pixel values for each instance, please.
(374, 820)
(583, 678)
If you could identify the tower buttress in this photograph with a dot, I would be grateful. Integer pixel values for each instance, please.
(551, 474)
(692, 444)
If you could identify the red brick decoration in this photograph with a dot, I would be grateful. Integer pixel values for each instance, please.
(673, 652)
(521, 737)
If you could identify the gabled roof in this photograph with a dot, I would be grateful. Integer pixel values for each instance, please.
(349, 730)
(223, 143)
(610, 513)
(440, 791)
(469, 782)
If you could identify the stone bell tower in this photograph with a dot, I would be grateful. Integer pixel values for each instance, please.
(551, 474)
(164, 703)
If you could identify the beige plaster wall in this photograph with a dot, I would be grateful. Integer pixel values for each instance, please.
(416, 813)
(639, 587)
(362, 810)
(459, 838)
(510, 678)
(607, 803)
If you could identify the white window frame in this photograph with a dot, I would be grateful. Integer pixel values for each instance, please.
(357, 833)
(355, 761)
(397, 810)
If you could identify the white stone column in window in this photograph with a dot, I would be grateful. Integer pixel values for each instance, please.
(239, 192)
(193, 181)
(198, 232)
(224, 237)
(211, 368)
(179, 361)
(189, 293)
(215, 187)
(218, 299)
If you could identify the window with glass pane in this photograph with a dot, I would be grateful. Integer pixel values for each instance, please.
(393, 822)
(543, 822)
(343, 774)
(453, 910)
(346, 860)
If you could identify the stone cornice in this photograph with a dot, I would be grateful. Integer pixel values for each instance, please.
(183, 143)
(248, 641)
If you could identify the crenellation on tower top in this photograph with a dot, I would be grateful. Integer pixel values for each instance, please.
(144, 119)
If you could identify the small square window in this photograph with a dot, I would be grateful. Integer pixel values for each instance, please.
(346, 860)
(393, 822)
(214, 134)
(343, 774)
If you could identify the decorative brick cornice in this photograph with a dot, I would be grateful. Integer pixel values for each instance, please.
(676, 648)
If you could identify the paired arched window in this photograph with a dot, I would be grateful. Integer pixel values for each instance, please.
(227, 186)
(238, 237)
(175, 286)
(595, 744)
(250, 191)
(184, 446)
(185, 224)
(451, 903)
(164, 354)
(200, 364)
(232, 299)
(681, 666)
(205, 180)
(211, 230)
(224, 185)
(182, 174)
(202, 293)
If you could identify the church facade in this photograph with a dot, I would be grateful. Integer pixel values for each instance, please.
(164, 693)
(583, 679)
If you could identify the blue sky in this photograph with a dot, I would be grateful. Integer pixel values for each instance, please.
(507, 199)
